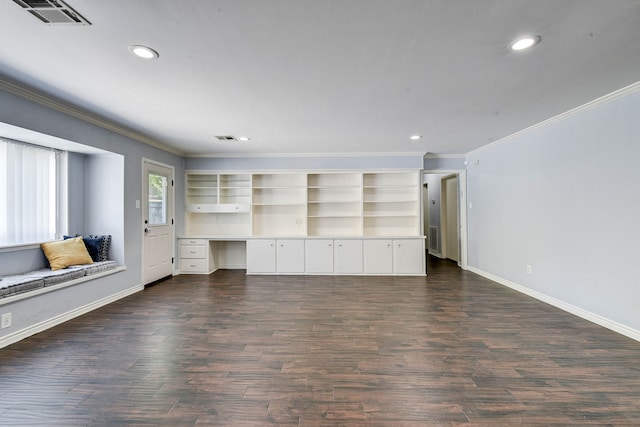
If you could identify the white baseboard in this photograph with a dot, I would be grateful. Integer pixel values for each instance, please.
(49, 323)
(233, 267)
(577, 311)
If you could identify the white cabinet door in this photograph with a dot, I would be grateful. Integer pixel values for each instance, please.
(261, 256)
(348, 256)
(290, 256)
(408, 256)
(378, 256)
(318, 256)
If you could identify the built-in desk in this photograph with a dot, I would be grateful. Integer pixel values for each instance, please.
(206, 254)
(303, 255)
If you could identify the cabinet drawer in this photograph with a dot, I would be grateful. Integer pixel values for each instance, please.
(219, 208)
(193, 266)
(229, 208)
(192, 252)
(199, 242)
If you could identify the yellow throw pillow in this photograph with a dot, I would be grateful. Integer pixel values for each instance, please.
(64, 253)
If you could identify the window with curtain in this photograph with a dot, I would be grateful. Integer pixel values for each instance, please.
(28, 193)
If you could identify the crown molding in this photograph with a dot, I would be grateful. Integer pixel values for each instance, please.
(303, 155)
(445, 156)
(57, 105)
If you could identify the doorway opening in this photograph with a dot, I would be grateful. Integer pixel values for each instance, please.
(444, 216)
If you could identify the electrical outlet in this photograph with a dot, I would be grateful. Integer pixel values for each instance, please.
(6, 320)
(529, 269)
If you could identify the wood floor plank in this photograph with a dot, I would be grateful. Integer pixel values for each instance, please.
(234, 350)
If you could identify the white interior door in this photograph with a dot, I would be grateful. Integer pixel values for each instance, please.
(157, 215)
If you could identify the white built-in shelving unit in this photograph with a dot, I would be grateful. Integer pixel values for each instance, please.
(218, 204)
(235, 189)
(334, 204)
(304, 204)
(391, 204)
(279, 204)
(317, 222)
(201, 191)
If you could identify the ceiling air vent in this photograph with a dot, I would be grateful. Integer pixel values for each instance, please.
(226, 138)
(52, 12)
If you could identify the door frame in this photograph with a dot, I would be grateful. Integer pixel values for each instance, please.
(172, 213)
(462, 210)
(425, 214)
(444, 216)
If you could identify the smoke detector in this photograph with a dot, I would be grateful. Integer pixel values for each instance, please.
(53, 12)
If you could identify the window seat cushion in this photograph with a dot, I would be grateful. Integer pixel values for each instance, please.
(96, 267)
(21, 283)
(53, 277)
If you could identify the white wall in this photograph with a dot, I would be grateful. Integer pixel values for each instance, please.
(563, 198)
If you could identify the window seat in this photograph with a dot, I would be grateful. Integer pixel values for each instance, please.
(18, 286)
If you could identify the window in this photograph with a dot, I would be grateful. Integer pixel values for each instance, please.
(28, 193)
(157, 199)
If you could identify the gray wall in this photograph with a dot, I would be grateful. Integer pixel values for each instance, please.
(435, 163)
(562, 197)
(304, 163)
(104, 201)
(30, 115)
(76, 193)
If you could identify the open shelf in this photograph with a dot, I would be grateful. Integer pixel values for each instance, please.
(385, 203)
(201, 189)
(235, 189)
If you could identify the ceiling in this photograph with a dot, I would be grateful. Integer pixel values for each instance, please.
(321, 76)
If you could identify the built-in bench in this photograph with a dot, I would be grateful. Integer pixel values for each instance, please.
(25, 283)
(73, 259)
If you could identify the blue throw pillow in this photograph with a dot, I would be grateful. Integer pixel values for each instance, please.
(103, 254)
(94, 245)
(97, 246)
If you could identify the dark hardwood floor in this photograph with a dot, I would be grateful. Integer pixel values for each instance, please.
(236, 350)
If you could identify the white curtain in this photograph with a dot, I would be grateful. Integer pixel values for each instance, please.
(27, 193)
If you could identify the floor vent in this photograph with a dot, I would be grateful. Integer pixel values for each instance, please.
(433, 239)
(226, 138)
(53, 12)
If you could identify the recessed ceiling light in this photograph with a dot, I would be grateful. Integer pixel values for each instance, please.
(525, 42)
(143, 52)
(415, 137)
(244, 138)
